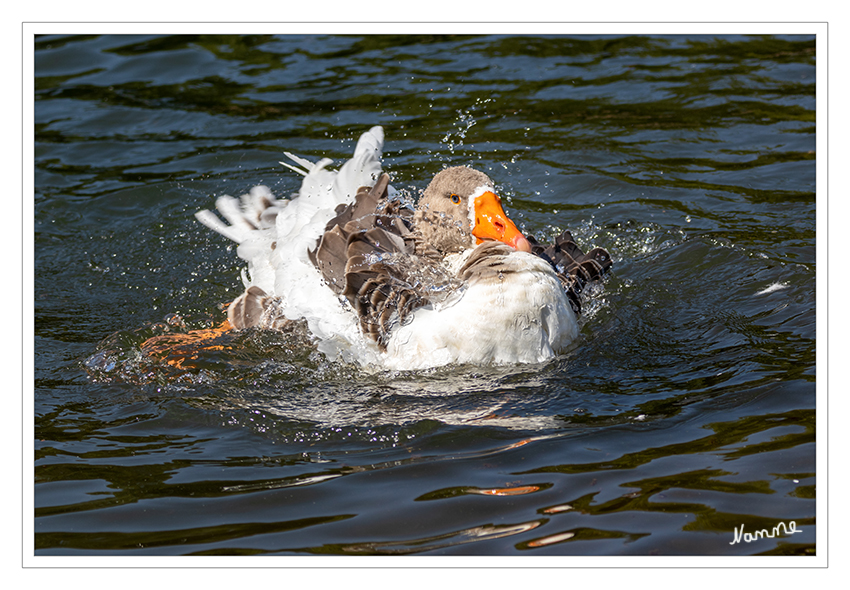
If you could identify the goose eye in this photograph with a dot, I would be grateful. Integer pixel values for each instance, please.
(455, 199)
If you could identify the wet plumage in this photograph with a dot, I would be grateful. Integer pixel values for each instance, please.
(452, 281)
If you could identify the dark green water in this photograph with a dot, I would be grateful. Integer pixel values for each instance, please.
(687, 409)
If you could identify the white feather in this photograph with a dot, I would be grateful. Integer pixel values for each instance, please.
(214, 223)
(495, 322)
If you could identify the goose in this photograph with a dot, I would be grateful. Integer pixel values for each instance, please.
(384, 284)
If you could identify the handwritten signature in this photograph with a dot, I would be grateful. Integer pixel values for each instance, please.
(764, 533)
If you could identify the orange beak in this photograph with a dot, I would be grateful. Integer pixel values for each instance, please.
(491, 223)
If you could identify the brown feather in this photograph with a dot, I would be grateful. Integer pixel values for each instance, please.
(254, 308)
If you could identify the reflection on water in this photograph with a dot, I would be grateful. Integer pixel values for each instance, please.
(685, 409)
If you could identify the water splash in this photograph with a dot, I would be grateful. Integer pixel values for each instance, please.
(465, 121)
(196, 351)
(628, 240)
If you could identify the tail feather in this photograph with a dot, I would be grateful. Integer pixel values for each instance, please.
(254, 210)
(209, 219)
(229, 208)
(261, 207)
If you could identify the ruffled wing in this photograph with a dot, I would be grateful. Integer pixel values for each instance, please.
(574, 268)
(367, 255)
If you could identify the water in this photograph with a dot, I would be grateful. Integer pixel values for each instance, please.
(686, 410)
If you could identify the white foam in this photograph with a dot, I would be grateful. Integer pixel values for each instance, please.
(772, 287)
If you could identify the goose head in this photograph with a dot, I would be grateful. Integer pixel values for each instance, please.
(460, 209)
